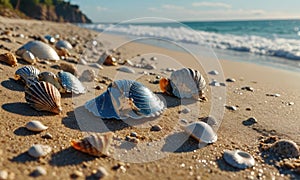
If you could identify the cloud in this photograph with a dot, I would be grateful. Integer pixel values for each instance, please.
(212, 4)
(100, 8)
(172, 7)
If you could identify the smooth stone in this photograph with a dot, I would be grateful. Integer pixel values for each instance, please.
(248, 88)
(47, 136)
(133, 134)
(39, 171)
(213, 72)
(239, 159)
(39, 150)
(250, 121)
(230, 80)
(101, 172)
(232, 108)
(35, 126)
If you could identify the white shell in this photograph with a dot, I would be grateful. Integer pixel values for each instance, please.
(63, 44)
(238, 159)
(29, 57)
(187, 83)
(39, 150)
(202, 132)
(39, 49)
(71, 83)
(36, 126)
(126, 69)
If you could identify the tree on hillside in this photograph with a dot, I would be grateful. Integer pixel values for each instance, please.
(5, 3)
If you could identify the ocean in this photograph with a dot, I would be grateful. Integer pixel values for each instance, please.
(273, 43)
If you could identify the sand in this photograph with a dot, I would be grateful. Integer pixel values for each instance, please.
(166, 154)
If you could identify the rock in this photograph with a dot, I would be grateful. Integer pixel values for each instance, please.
(39, 150)
(250, 121)
(232, 108)
(101, 172)
(47, 136)
(39, 171)
(76, 174)
(230, 80)
(156, 128)
(213, 72)
(248, 88)
(133, 134)
(273, 95)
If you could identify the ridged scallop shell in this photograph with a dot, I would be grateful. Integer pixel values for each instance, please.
(107, 59)
(39, 49)
(95, 144)
(43, 96)
(50, 77)
(35, 126)
(39, 150)
(69, 68)
(126, 98)
(185, 83)
(238, 159)
(29, 57)
(126, 69)
(9, 58)
(27, 72)
(71, 83)
(63, 44)
(201, 131)
(286, 149)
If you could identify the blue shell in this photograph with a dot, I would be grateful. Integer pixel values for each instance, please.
(71, 83)
(126, 98)
(27, 72)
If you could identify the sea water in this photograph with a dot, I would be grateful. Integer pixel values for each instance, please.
(273, 43)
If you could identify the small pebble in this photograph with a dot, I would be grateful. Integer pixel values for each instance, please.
(213, 72)
(291, 103)
(248, 109)
(273, 95)
(232, 108)
(156, 128)
(38, 150)
(101, 172)
(96, 65)
(133, 134)
(76, 174)
(248, 88)
(98, 87)
(47, 136)
(185, 110)
(250, 121)
(3, 174)
(35, 126)
(39, 171)
(183, 121)
(153, 58)
(230, 80)
(215, 83)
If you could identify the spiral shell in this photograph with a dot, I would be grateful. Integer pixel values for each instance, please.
(126, 98)
(43, 96)
(27, 72)
(201, 131)
(95, 144)
(40, 50)
(9, 58)
(184, 83)
(70, 83)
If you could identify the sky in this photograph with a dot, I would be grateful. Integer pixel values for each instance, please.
(189, 10)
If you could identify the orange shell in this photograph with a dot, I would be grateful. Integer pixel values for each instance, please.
(9, 58)
(163, 83)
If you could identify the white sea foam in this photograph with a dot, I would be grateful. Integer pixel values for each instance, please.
(278, 47)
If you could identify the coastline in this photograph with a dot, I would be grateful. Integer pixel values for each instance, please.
(275, 118)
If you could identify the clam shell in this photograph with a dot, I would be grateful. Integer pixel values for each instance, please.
(43, 96)
(71, 83)
(126, 69)
(63, 44)
(27, 72)
(202, 132)
(69, 68)
(107, 59)
(40, 50)
(29, 57)
(186, 83)
(36, 126)
(238, 159)
(95, 144)
(9, 58)
(51, 78)
(126, 98)
(39, 150)
(286, 148)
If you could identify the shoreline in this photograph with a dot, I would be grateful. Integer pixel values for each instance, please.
(274, 116)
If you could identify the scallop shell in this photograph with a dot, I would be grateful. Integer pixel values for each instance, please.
(95, 144)
(238, 159)
(286, 149)
(69, 68)
(51, 78)
(108, 60)
(27, 72)
(202, 132)
(184, 83)
(40, 50)
(71, 83)
(39, 150)
(9, 58)
(63, 44)
(43, 96)
(126, 98)
(29, 57)
(36, 126)
(126, 69)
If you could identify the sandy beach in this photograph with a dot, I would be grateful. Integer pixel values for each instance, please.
(156, 154)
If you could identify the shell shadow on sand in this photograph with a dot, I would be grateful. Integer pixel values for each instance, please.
(180, 142)
(172, 101)
(23, 158)
(24, 109)
(22, 131)
(11, 84)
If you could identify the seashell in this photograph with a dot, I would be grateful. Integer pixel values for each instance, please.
(27, 72)
(126, 98)
(50, 39)
(43, 96)
(213, 72)
(51, 78)
(88, 75)
(95, 144)
(201, 131)
(69, 68)
(36, 126)
(238, 159)
(184, 83)
(286, 149)
(63, 52)
(70, 83)
(9, 58)
(39, 150)
(63, 44)
(40, 50)
(29, 57)
(108, 60)
(126, 69)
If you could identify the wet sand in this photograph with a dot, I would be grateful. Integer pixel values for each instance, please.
(166, 154)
